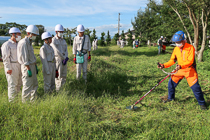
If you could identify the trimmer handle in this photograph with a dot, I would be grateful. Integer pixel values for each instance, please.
(158, 64)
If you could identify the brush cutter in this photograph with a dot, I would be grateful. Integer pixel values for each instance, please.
(133, 107)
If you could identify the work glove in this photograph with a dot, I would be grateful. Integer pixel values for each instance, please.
(56, 74)
(37, 70)
(29, 73)
(89, 58)
(160, 66)
(75, 60)
(65, 61)
(178, 67)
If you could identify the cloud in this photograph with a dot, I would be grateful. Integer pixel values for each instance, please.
(71, 8)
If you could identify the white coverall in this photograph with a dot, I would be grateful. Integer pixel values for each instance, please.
(134, 44)
(48, 67)
(60, 49)
(25, 53)
(122, 43)
(9, 56)
(118, 43)
(94, 45)
(77, 46)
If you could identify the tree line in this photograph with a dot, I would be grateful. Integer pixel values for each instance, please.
(170, 16)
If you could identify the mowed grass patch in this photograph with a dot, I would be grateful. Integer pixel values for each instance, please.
(116, 78)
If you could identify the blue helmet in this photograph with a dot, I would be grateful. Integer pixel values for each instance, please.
(178, 36)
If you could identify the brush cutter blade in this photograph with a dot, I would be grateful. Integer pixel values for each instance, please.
(132, 107)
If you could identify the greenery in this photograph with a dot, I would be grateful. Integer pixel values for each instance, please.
(102, 41)
(116, 78)
(123, 35)
(115, 38)
(108, 39)
(130, 40)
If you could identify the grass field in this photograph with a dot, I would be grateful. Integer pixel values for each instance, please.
(116, 79)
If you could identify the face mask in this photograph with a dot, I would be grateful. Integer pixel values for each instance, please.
(33, 37)
(60, 34)
(18, 38)
(179, 45)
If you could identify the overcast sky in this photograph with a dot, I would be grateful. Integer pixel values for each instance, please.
(99, 14)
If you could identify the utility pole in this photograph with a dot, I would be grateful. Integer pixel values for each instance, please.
(119, 24)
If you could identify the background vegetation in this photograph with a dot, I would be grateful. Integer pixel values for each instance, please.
(116, 79)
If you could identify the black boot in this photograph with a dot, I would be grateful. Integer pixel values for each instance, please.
(203, 107)
(167, 101)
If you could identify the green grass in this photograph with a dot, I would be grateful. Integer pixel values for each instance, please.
(116, 79)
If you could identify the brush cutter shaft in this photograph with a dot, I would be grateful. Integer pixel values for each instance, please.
(152, 89)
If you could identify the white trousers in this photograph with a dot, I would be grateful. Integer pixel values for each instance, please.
(94, 47)
(14, 81)
(62, 70)
(30, 84)
(82, 66)
(49, 79)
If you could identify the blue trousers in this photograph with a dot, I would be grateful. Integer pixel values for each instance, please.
(195, 88)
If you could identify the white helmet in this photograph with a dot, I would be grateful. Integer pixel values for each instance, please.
(59, 27)
(14, 30)
(80, 28)
(161, 37)
(32, 29)
(46, 35)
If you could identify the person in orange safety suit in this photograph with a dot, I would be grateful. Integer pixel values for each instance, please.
(184, 53)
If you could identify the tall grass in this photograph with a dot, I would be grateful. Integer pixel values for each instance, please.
(116, 79)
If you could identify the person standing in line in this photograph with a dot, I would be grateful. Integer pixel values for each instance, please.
(94, 44)
(59, 46)
(12, 67)
(27, 59)
(122, 43)
(48, 63)
(134, 44)
(81, 49)
(160, 44)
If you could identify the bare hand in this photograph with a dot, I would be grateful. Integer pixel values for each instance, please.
(9, 72)
(178, 67)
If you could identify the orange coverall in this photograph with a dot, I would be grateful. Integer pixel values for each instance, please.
(186, 59)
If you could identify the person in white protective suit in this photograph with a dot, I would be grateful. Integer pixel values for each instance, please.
(61, 56)
(48, 63)
(122, 43)
(81, 46)
(134, 44)
(94, 44)
(11, 66)
(118, 42)
(27, 59)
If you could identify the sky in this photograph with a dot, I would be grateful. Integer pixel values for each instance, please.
(101, 15)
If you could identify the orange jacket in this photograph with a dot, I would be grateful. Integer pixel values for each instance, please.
(186, 58)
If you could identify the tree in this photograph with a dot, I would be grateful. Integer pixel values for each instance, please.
(108, 38)
(87, 32)
(93, 36)
(116, 37)
(38, 37)
(123, 35)
(130, 40)
(4, 28)
(68, 34)
(102, 39)
(197, 10)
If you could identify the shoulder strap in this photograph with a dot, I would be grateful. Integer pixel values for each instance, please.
(83, 42)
